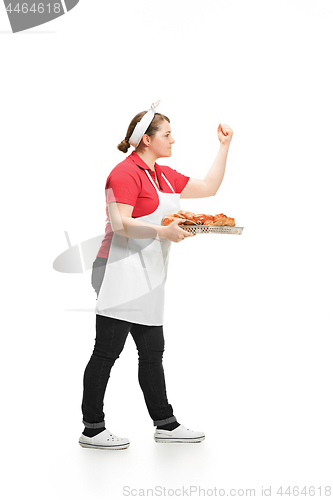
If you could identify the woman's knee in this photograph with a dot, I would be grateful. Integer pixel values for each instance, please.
(149, 343)
(151, 356)
(104, 351)
(110, 338)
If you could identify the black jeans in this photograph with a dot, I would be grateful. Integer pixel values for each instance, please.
(110, 339)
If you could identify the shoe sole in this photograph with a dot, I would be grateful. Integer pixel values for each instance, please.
(100, 447)
(175, 440)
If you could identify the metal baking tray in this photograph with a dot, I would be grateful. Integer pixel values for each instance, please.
(201, 229)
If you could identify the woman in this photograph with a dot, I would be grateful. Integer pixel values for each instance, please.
(139, 193)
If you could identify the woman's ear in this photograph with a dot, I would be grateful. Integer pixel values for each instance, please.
(146, 139)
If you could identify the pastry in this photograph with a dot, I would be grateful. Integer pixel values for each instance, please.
(201, 219)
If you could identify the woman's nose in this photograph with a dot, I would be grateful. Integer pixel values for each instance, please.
(172, 140)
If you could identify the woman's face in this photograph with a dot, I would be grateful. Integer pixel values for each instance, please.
(161, 143)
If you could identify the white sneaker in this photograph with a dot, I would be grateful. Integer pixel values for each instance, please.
(179, 435)
(105, 440)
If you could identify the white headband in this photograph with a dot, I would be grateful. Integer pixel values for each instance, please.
(142, 126)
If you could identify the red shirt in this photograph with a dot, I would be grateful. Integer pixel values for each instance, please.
(128, 183)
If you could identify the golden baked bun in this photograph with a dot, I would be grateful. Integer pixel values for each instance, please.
(231, 222)
(220, 222)
(224, 221)
(209, 220)
(180, 215)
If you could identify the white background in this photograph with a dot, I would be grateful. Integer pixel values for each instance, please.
(248, 318)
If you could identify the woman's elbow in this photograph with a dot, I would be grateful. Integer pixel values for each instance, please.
(210, 191)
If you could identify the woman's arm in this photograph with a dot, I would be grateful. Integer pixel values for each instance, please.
(124, 224)
(198, 188)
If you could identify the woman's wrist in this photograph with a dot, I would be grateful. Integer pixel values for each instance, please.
(161, 231)
(224, 146)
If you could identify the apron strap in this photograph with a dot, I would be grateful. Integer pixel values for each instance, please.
(168, 183)
(153, 183)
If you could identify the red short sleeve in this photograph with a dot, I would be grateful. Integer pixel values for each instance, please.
(176, 179)
(122, 186)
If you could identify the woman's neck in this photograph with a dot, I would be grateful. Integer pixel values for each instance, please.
(148, 158)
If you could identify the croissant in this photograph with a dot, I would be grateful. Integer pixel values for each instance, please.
(189, 222)
(179, 215)
(186, 215)
(171, 217)
(218, 216)
(200, 218)
(167, 220)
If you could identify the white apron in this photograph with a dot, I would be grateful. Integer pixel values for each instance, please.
(136, 270)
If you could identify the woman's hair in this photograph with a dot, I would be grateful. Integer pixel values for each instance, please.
(151, 130)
